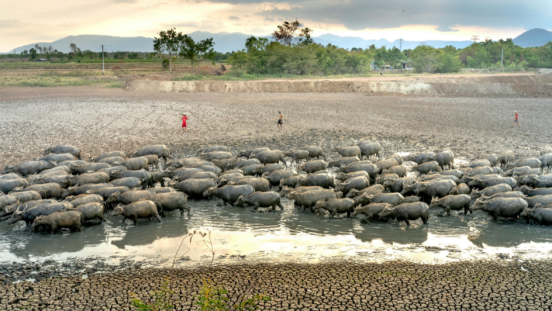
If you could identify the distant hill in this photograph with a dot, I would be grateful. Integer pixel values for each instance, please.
(228, 42)
(534, 37)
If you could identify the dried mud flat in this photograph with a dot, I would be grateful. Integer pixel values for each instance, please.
(498, 285)
(99, 120)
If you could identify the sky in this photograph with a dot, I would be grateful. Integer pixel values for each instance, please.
(29, 21)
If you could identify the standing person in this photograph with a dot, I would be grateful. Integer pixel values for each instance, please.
(184, 119)
(280, 120)
(516, 119)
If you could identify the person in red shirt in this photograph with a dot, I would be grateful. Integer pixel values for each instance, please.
(516, 119)
(184, 119)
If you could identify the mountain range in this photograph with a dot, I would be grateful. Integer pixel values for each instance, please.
(228, 42)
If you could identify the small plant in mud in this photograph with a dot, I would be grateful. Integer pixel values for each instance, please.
(211, 296)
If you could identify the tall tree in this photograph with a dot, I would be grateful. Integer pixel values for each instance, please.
(73, 48)
(286, 33)
(168, 41)
(195, 52)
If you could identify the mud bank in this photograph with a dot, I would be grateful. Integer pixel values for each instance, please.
(505, 284)
(513, 85)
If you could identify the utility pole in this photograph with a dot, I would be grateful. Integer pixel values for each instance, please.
(400, 44)
(475, 38)
(103, 63)
(502, 58)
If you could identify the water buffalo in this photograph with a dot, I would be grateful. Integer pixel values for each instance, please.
(456, 173)
(397, 185)
(56, 158)
(83, 189)
(506, 157)
(343, 176)
(130, 182)
(144, 176)
(314, 151)
(253, 169)
(406, 212)
(270, 156)
(313, 166)
(208, 167)
(482, 182)
(161, 151)
(212, 149)
(112, 171)
(195, 188)
(134, 164)
(500, 207)
(297, 155)
(8, 185)
(348, 151)
(90, 178)
(171, 201)
(225, 164)
(261, 199)
(452, 202)
(140, 209)
(243, 163)
(490, 191)
(130, 196)
(251, 153)
(479, 163)
(197, 175)
(343, 161)
(44, 209)
(88, 167)
(9, 176)
(111, 160)
(185, 162)
(92, 211)
(308, 199)
(106, 192)
(229, 193)
(544, 181)
(260, 184)
(19, 198)
(63, 181)
(318, 179)
(493, 159)
(59, 220)
(217, 155)
(390, 198)
(386, 164)
(111, 154)
(546, 161)
(368, 148)
(397, 169)
(436, 188)
(335, 206)
(460, 189)
(445, 158)
(276, 176)
(541, 213)
(28, 168)
(269, 168)
(58, 170)
(387, 179)
(47, 191)
(372, 169)
(286, 191)
(481, 170)
(357, 183)
(531, 162)
(419, 158)
(538, 191)
(60, 149)
(85, 199)
(427, 167)
(371, 210)
(371, 191)
(291, 181)
(539, 199)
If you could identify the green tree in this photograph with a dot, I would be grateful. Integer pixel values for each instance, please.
(195, 52)
(449, 63)
(33, 54)
(239, 59)
(292, 33)
(425, 58)
(168, 41)
(256, 44)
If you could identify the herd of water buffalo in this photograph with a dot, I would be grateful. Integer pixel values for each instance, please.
(62, 191)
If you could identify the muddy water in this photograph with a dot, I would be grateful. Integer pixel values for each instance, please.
(240, 235)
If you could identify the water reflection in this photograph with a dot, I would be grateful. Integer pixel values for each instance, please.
(239, 234)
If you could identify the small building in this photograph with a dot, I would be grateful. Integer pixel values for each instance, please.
(407, 65)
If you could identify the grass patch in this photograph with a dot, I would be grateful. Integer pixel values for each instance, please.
(116, 85)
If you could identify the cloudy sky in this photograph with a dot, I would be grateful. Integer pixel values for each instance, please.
(29, 21)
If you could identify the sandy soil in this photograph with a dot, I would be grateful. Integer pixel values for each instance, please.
(99, 120)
